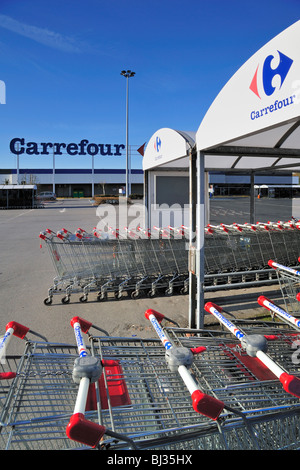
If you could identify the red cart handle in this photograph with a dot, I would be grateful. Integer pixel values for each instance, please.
(86, 432)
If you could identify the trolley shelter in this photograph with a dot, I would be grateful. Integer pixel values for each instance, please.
(17, 195)
(166, 166)
(252, 125)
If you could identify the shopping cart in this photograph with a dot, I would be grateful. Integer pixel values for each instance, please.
(144, 263)
(182, 390)
(136, 264)
(86, 263)
(256, 346)
(285, 241)
(276, 310)
(163, 262)
(238, 247)
(10, 365)
(289, 282)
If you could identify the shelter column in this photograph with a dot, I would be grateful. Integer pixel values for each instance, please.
(252, 199)
(147, 208)
(200, 217)
(192, 238)
(53, 171)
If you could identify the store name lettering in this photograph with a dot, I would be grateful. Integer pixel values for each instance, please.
(18, 146)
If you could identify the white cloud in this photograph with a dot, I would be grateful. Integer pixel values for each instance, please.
(41, 35)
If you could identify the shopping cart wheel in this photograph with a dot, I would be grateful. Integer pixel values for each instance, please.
(118, 295)
(48, 301)
(151, 294)
(65, 300)
(135, 294)
(169, 292)
(83, 298)
(101, 297)
(183, 291)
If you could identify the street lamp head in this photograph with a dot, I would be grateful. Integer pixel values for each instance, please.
(127, 73)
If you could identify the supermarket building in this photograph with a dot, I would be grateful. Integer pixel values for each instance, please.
(75, 182)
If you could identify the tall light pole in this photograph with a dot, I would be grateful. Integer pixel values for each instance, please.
(127, 74)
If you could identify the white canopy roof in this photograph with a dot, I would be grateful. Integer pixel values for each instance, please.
(18, 186)
(254, 122)
(168, 148)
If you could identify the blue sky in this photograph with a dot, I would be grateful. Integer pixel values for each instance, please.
(61, 64)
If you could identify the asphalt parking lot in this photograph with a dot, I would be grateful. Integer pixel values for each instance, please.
(237, 209)
(26, 273)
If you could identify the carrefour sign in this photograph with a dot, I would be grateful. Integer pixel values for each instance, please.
(263, 81)
(19, 146)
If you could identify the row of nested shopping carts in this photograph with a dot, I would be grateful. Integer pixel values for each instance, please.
(143, 262)
(235, 388)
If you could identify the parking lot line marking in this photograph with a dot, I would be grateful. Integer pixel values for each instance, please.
(19, 215)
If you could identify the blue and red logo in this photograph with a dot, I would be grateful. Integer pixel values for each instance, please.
(157, 144)
(263, 77)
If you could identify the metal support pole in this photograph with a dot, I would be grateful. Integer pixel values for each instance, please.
(18, 169)
(129, 170)
(93, 182)
(207, 199)
(192, 238)
(252, 199)
(127, 74)
(53, 172)
(200, 217)
(146, 201)
(18, 164)
(127, 133)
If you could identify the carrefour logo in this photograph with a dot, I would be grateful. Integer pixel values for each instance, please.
(157, 144)
(267, 74)
(269, 78)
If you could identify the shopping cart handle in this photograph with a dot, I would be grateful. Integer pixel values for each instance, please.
(159, 316)
(19, 330)
(84, 324)
(210, 305)
(263, 301)
(7, 375)
(86, 432)
(198, 350)
(271, 337)
(291, 384)
(207, 405)
(180, 359)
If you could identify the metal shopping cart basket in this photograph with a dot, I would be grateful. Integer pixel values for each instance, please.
(85, 263)
(162, 261)
(182, 390)
(237, 247)
(285, 238)
(289, 282)
(135, 264)
(140, 263)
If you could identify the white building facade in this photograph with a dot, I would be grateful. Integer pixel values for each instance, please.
(75, 182)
